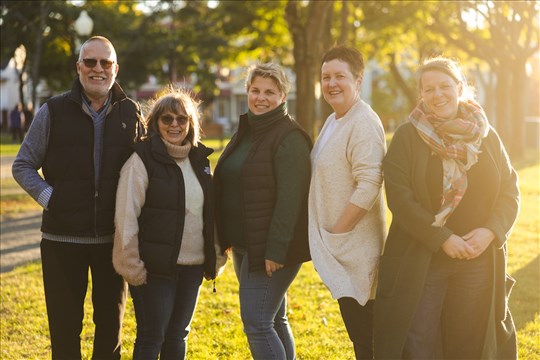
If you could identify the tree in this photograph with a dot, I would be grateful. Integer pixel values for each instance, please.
(45, 29)
(255, 31)
(27, 26)
(175, 41)
(248, 32)
(188, 41)
(309, 26)
(395, 34)
(504, 35)
(134, 35)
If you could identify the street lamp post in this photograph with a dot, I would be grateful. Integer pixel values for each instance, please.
(83, 26)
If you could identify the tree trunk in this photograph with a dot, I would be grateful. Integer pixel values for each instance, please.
(503, 117)
(21, 82)
(308, 39)
(21, 87)
(38, 46)
(402, 84)
(510, 94)
(344, 25)
(486, 81)
(517, 111)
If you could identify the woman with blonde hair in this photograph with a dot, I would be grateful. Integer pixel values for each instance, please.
(443, 291)
(262, 182)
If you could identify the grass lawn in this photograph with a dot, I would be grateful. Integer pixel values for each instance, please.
(7, 147)
(12, 200)
(319, 332)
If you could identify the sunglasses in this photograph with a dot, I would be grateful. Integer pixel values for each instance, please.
(91, 63)
(180, 119)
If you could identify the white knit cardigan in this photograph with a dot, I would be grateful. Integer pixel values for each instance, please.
(348, 169)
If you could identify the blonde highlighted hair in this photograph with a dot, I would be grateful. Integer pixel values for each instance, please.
(269, 71)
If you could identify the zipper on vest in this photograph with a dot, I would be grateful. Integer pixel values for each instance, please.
(214, 287)
(95, 212)
(181, 184)
(95, 175)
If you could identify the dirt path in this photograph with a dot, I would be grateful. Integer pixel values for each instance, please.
(5, 166)
(19, 234)
(19, 239)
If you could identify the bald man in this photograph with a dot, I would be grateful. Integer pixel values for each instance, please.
(80, 140)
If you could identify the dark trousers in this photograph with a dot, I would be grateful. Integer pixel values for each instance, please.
(358, 320)
(451, 317)
(65, 278)
(164, 308)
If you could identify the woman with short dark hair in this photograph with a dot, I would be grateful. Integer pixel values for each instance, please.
(346, 209)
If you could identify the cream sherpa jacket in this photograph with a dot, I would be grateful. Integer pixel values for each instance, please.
(348, 169)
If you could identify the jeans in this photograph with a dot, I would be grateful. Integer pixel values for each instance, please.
(358, 320)
(65, 280)
(263, 308)
(451, 317)
(164, 308)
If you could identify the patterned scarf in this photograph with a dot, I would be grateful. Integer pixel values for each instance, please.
(457, 142)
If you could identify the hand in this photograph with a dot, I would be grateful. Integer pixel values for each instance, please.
(351, 215)
(479, 239)
(271, 267)
(457, 248)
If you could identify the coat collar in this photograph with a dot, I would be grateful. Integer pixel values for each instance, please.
(261, 124)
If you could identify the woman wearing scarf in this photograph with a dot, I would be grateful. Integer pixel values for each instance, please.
(261, 186)
(443, 289)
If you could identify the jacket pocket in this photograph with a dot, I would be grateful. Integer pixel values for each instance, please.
(52, 199)
(343, 246)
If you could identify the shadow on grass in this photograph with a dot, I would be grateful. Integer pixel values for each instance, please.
(525, 297)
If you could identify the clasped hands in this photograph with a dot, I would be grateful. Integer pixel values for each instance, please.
(470, 245)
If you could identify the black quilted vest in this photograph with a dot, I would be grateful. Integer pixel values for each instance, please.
(161, 223)
(259, 191)
(78, 206)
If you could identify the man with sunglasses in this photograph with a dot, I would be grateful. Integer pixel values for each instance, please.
(80, 140)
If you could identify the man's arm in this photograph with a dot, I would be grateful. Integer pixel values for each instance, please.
(31, 156)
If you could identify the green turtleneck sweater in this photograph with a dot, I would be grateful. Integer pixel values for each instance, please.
(292, 171)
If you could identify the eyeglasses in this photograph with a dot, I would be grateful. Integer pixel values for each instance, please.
(91, 63)
(180, 119)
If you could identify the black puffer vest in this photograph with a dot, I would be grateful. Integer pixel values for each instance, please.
(259, 191)
(161, 223)
(78, 206)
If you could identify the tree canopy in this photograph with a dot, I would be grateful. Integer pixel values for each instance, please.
(189, 41)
